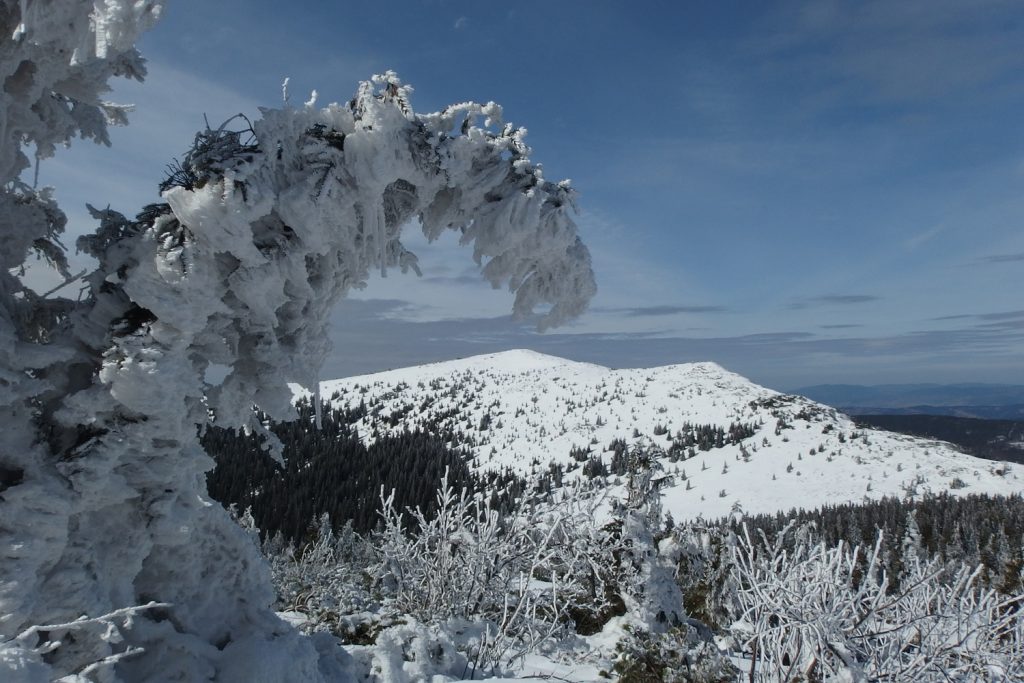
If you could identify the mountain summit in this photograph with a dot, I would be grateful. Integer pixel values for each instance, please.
(728, 443)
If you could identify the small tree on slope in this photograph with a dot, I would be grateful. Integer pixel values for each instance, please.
(102, 491)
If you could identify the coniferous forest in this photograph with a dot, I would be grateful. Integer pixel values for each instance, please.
(973, 530)
(331, 470)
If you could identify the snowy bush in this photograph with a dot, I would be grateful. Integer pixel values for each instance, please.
(410, 652)
(817, 612)
(679, 655)
(660, 642)
(705, 572)
(510, 582)
(327, 582)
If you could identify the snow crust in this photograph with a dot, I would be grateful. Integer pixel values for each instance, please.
(541, 407)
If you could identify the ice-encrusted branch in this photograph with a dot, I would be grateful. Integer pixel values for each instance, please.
(263, 227)
(90, 649)
(124, 613)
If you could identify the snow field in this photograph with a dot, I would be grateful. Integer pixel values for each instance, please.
(537, 408)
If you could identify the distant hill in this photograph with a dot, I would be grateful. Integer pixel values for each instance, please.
(990, 439)
(985, 401)
(1013, 412)
(727, 443)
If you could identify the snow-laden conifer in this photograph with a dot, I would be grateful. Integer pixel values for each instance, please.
(264, 227)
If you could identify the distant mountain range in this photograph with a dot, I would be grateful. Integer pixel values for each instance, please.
(991, 439)
(985, 401)
(727, 443)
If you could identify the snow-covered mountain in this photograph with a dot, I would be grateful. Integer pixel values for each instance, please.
(523, 410)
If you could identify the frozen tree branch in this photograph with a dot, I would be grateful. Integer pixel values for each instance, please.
(265, 225)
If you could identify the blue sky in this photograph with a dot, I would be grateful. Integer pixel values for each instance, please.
(803, 192)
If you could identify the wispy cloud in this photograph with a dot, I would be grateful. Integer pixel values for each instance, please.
(369, 338)
(841, 326)
(988, 317)
(774, 337)
(1001, 315)
(475, 279)
(461, 23)
(921, 238)
(833, 300)
(1009, 324)
(643, 311)
(846, 299)
(1003, 258)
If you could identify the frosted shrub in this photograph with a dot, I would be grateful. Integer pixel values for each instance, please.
(507, 584)
(326, 581)
(825, 613)
(661, 642)
(705, 572)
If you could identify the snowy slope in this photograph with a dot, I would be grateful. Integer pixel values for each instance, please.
(537, 408)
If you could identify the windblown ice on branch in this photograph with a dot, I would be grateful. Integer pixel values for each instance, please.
(265, 226)
(276, 220)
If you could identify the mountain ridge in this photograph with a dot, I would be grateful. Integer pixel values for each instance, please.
(730, 444)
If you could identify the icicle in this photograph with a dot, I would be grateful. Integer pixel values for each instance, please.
(102, 38)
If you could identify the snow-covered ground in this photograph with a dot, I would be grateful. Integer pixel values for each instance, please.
(537, 408)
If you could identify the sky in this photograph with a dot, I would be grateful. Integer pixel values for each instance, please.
(804, 192)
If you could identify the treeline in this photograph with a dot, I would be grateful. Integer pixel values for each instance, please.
(330, 470)
(975, 530)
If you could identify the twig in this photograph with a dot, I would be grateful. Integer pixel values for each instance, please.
(64, 284)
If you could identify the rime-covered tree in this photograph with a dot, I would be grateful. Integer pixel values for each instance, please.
(262, 228)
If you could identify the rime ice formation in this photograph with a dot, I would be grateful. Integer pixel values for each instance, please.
(102, 481)
(55, 61)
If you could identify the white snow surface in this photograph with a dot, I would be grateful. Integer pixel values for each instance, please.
(542, 406)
